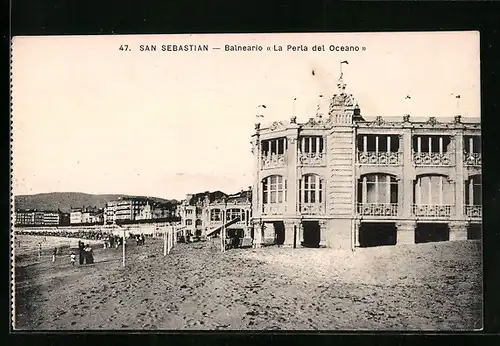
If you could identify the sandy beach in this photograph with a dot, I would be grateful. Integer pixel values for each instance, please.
(434, 286)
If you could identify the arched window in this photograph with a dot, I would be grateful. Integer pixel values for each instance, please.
(311, 189)
(273, 190)
(433, 190)
(378, 189)
(474, 190)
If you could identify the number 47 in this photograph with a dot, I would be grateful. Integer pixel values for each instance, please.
(124, 47)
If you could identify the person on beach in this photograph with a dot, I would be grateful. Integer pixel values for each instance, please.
(81, 254)
(39, 249)
(89, 256)
(72, 258)
(54, 254)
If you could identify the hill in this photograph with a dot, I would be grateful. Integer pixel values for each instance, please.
(65, 200)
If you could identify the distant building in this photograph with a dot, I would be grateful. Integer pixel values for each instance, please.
(86, 215)
(34, 217)
(136, 208)
(203, 213)
(24, 217)
(192, 210)
(76, 216)
(64, 219)
(145, 213)
(51, 217)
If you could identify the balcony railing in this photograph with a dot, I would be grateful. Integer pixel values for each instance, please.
(474, 211)
(273, 161)
(378, 209)
(472, 159)
(379, 158)
(273, 209)
(312, 159)
(433, 159)
(432, 210)
(219, 223)
(312, 208)
(238, 224)
(215, 223)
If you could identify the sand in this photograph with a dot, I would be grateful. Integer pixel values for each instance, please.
(435, 286)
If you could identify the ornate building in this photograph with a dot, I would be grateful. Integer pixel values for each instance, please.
(203, 214)
(341, 181)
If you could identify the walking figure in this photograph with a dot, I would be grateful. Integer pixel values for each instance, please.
(73, 258)
(81, 253)
(54, 255)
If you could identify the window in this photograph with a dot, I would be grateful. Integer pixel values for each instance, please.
(311, 144)
(215, 215)
(474, 191)
(472, 144)
(189, 222)
(311, 189)
(431, 144)
(233, 214)
(378, 143)
(274, 146)
(378, 188)
(433, 189)
(274, 190)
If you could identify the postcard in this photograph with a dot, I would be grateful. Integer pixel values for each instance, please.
(306, 181)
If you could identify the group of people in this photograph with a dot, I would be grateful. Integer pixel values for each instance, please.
(87, 234)
(139, 238)
(86, 254)
(112, 241)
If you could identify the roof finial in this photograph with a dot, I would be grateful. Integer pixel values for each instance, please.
(319, 113)
(457, 97)
(341, 85)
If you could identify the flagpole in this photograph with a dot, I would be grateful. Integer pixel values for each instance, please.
(408, 105)
(164, 242)
(123, 248)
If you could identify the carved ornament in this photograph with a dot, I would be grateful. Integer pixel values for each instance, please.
(341, 100)
(432, 121)
(276, 125)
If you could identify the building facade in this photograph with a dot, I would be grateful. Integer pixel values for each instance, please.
(126, 208)
(75, 216)
(206, 213)
(86, 215)
(341, 181)
(138, 208)
(33, 217)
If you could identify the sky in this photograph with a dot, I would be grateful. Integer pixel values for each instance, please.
(89, 117)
